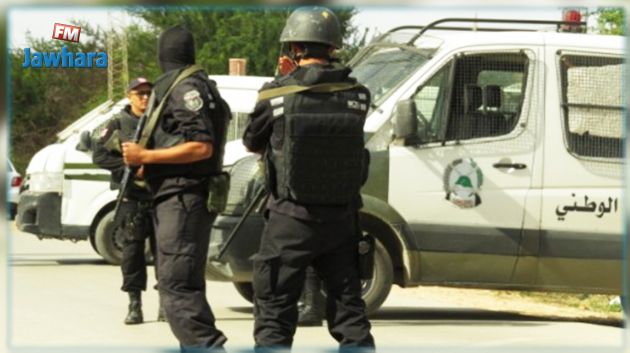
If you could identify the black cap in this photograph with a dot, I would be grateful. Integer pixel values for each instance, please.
(137, 82)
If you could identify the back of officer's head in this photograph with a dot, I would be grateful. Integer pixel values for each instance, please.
(176, 48)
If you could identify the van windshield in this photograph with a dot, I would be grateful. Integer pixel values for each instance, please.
(384, 68)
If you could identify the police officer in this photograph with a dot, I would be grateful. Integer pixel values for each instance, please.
(184, 151)
(135, 224)
(309, 127)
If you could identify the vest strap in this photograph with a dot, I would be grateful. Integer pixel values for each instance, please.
(154, 115)
(319, 88)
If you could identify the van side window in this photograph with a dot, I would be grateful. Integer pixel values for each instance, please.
(592, 103)
(430, 100)
(488, 92)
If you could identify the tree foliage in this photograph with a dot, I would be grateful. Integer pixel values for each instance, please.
(610, 20)
(224, 33)
(45, 100)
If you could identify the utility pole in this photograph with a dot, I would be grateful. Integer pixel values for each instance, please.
(118, 69)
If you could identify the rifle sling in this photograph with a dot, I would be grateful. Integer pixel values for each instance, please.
(320, 88)
(154, 115)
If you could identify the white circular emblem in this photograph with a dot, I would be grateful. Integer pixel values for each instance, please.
(462, 183)
(193, 101)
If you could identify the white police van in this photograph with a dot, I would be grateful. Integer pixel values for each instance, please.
(68, 197)
(496, 162)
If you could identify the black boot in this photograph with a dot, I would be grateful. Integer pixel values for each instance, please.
(135, 309)
(311, 306)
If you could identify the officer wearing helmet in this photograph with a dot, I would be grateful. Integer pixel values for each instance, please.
(308, 126)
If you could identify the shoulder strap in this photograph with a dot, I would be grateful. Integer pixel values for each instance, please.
(322, 88)
(154, 115)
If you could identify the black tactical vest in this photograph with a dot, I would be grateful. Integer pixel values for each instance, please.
(128, 124)
(321, 161)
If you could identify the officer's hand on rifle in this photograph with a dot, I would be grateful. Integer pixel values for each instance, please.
(133, 154)
(286, 65)
(140, 172)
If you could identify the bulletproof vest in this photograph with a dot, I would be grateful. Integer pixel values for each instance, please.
(220, 119)
(128, 125)
(321, 161)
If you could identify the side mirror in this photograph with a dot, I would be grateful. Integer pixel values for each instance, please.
(405, 122)
(85, 142)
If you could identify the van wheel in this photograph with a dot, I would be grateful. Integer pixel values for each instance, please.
(93, 243)
(246, 290)
(374, 291)
(104, 240)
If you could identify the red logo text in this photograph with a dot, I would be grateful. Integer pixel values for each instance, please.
(68, 33)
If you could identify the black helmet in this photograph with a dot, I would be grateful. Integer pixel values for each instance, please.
(312, 24)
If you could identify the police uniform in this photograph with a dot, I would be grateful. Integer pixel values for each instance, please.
(180, 192)
(136, 225)
(314, 175)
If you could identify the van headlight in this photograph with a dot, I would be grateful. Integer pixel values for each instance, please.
(46, 182)
(245, 178)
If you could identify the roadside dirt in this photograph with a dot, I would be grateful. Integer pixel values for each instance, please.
(505, 301)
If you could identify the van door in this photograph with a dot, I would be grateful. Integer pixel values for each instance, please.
(582, 217)
(463, 187)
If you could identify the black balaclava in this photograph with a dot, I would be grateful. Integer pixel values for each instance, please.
(176, 48)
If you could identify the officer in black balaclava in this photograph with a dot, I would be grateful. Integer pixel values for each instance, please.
(184, 151)
(315, 163)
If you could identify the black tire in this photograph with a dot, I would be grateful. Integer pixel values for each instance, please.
(104, 244)
(93, 243)
(375, 291)
(104, 239)
(246, 290)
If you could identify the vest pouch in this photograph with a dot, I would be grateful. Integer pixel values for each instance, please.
(366, 248)
(218, 189)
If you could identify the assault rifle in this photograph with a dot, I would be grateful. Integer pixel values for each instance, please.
(130, 172)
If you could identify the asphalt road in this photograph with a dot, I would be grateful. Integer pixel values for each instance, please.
(61, 297)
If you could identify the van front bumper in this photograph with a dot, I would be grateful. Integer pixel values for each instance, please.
(39, 213)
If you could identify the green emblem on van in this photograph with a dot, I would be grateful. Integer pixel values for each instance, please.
(462, 183)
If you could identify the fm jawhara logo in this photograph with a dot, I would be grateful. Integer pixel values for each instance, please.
(64, 58)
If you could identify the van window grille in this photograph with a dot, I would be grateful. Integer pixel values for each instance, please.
(482, 97)
(592, 105)
(237, 126)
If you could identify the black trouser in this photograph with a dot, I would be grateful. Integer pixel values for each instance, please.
(312, 298)
(135, 228)
(287, 247)
(182, 226)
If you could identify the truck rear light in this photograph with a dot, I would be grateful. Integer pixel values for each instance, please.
(16, 181)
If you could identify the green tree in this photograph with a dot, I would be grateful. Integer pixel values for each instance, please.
(224, 33)
(610, 20)
(45, 100)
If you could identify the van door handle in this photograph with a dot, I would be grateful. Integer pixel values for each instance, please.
(510, 165)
